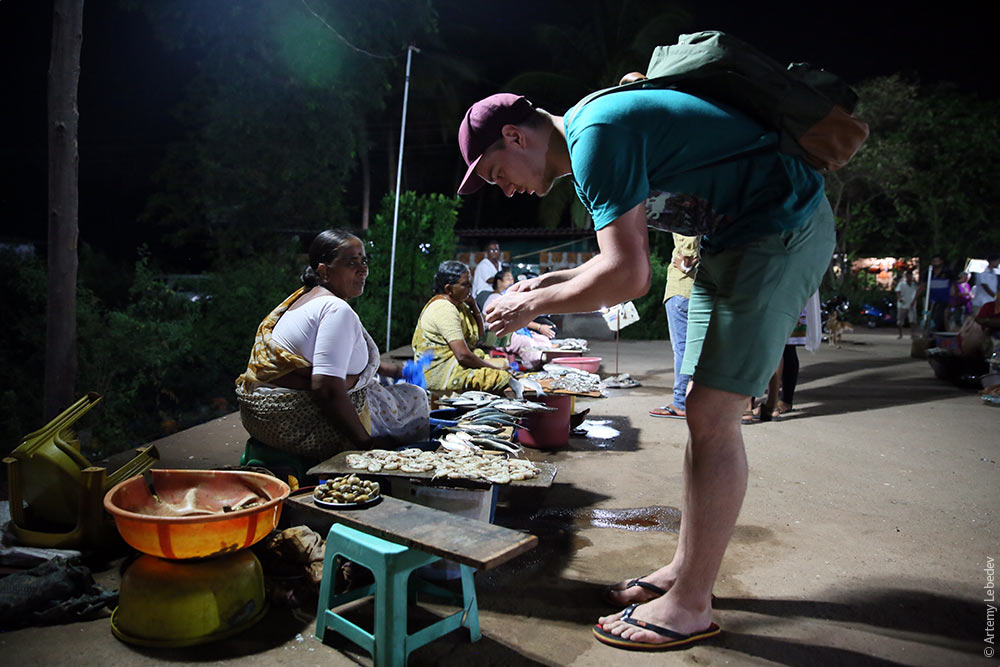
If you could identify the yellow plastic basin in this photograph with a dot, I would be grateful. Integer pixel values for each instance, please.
(166, 603)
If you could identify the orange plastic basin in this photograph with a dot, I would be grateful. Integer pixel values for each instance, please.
(141, 521)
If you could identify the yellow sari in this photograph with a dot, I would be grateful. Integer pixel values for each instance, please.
(439, 318)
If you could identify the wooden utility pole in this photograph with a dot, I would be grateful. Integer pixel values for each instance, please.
(64, 200)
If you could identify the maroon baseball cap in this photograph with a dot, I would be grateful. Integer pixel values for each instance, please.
(481, 127)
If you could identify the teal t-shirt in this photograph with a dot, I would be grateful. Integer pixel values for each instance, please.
(702, 169)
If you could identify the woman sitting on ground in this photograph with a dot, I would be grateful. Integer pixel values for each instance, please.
(529, 342)
(311, 386)
(450, 326)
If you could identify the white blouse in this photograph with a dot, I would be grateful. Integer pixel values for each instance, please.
(327, 333)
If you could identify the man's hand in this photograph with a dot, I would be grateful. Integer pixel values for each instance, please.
(620, 271)
(525, 285)
(510, 312)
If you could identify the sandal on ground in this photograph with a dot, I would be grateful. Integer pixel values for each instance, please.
(634, 583)
(668, 411)
(674, 639)
(747, 418)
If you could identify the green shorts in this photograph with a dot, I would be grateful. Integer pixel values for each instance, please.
(746, 301)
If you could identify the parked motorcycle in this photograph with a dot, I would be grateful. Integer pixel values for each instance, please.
(880, 313)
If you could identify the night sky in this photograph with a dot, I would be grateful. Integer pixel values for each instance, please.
(129, 84)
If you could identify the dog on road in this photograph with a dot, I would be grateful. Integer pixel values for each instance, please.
(836, 329)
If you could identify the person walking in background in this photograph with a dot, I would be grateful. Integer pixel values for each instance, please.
(680, 280)
(986, 283)
(485, 270)
(808, 333)
(941, 290)
(961, 305)
(906, 302)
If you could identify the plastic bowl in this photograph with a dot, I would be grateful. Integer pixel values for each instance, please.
(135, 512)
(589, 364)
(169, 604)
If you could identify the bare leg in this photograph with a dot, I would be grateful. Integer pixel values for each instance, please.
(715, 477)
(773, 387)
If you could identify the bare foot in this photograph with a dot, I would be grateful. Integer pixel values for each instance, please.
(664, 612)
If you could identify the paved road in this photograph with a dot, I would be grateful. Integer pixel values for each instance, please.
(868, 522)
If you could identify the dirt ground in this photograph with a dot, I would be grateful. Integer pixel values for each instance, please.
(867, 525)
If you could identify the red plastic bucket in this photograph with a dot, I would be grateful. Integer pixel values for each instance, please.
(548, 430)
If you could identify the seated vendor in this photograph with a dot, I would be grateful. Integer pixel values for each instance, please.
(311, 386)
(529, 342)
(450, 326)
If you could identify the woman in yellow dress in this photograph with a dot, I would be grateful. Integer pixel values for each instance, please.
(450, 325)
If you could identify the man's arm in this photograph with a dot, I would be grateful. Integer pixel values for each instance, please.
(618, 273)
(550, 278)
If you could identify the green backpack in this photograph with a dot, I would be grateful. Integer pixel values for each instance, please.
(810, 108)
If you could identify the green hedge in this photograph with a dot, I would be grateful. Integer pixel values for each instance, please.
(162, 362)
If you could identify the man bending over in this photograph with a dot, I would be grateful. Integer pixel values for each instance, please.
(678, 163)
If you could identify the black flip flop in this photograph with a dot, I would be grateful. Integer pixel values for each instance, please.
(670, 410)
(645, 585)
(677, 639)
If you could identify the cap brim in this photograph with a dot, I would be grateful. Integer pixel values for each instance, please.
(472, 181)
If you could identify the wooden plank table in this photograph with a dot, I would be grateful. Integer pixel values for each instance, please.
(468, 541)
(337, 465)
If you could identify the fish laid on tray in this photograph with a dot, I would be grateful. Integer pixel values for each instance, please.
(569, 345)
(463, 441)
(570, 379)
(485, 403)
(491, 467)
(469, 399)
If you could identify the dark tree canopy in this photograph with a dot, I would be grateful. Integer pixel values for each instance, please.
(928, 178)
(275, 113)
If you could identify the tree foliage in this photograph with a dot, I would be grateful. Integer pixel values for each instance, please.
(274, 113)
(425, 237)
(24, 285)
(607, 40)
(926, 180)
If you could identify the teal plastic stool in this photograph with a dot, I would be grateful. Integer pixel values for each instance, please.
(256, 453)
(392, 565)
